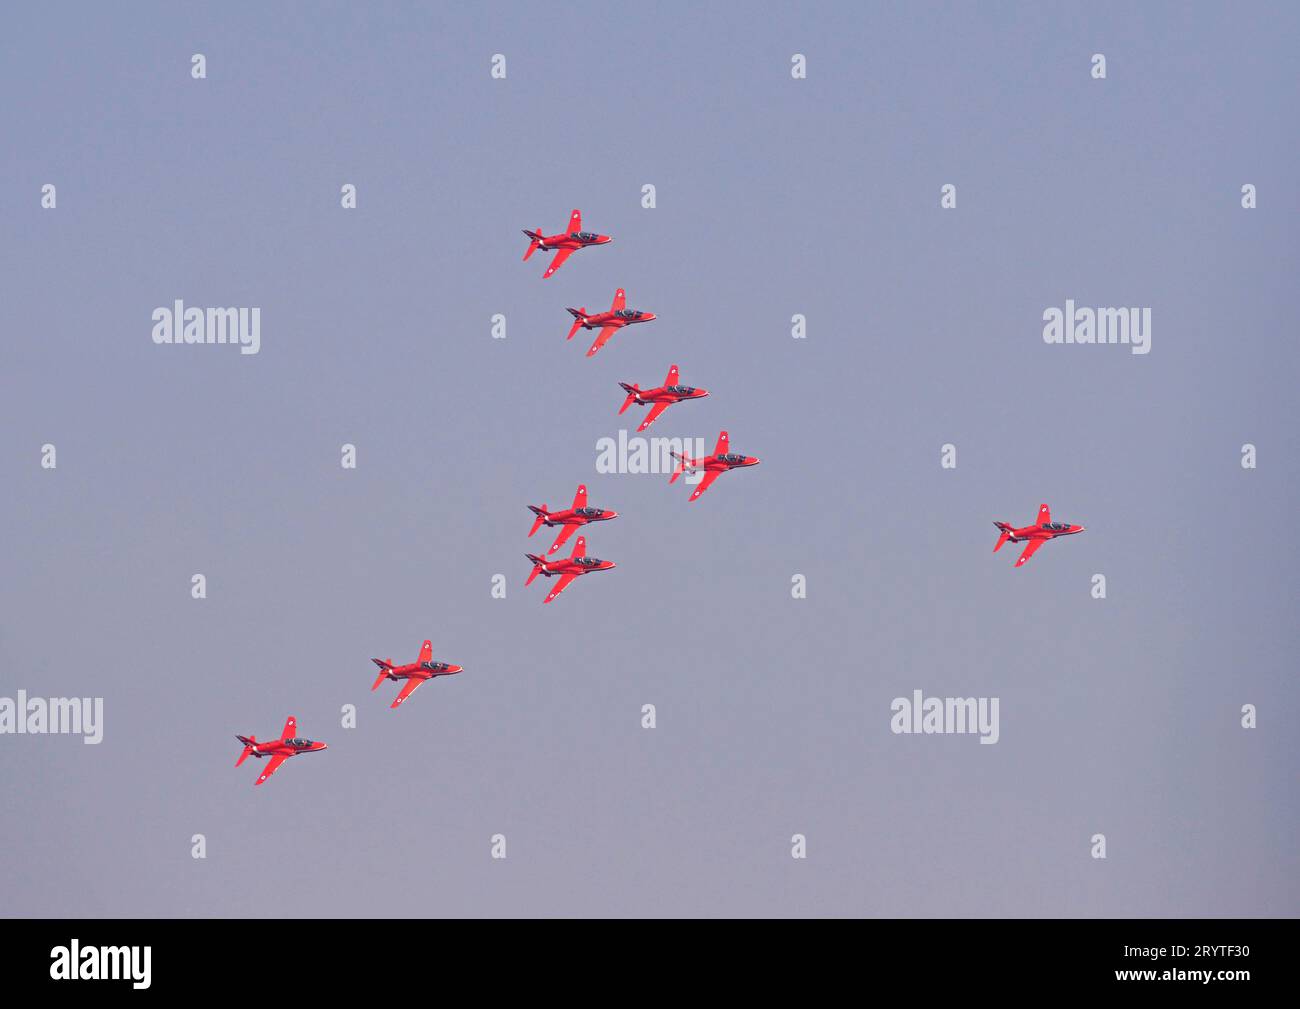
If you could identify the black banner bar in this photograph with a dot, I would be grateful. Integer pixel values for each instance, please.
(319, 957)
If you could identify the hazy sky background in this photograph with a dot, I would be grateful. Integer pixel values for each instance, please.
(775, 197)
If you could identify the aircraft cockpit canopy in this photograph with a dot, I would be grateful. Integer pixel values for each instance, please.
(1055, 526)
(589, 562)
(584, 236)
(590, 512)
(629, 313)
(732, 457)
(435, 667)
(298, 743)
(681, 390)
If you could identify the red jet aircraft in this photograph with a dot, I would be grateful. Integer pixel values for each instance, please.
(563, 245)
(1037, 535)
(618, 316)
(662, 398)
(423, 668)
(578, 563)
(570, 518)
(280, 750)
(713, 465)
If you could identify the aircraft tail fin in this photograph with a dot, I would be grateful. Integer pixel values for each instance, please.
(384, 666)
(1006, 535)
(249, 742)
(537, 568)
(579, 316)
(631, 391)
(536, 237)
(541, 517)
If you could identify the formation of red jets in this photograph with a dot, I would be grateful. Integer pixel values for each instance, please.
(580, 514)
(658, 399)
(290, 744)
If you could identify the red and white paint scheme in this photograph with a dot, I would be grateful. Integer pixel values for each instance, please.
(1036, 535)
(279, 750)
(571, 518)
(564, 244)
(659, 399)
(422, 669)
(714, 465)
(609, 323)
(576, 564)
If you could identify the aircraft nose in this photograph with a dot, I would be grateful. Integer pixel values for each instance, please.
(649, 317)
(456, 669)
(702, 393)
(611, 514)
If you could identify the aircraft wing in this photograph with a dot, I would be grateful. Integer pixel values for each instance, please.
(560, 586)
(653, 415)
(580, 497)
(1044, 514)
(721, 446)
(672, 375)
(575, 222)
(290, 728)
(580, 548)
(565, 533)
(272, 765)
(706, 483)
(620, 301)
(408, 688)
(557, 261)
(1030, 549)
(601, 339)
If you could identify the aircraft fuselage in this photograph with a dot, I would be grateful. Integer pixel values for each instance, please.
(573, 240)
(723, 463)
(1042, 533)
(571, 517)
(665, 395)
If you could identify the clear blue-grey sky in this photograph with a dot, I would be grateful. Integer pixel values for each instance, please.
(775, 197)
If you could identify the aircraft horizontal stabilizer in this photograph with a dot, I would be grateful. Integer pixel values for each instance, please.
(536, 237)
(579, 314)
